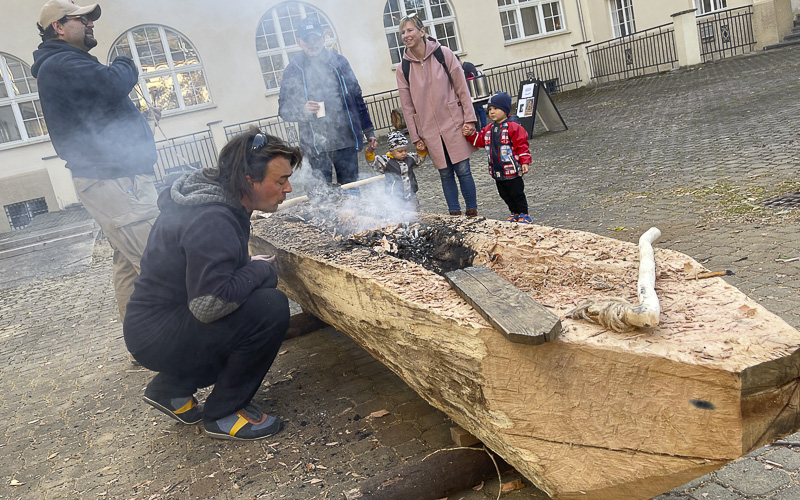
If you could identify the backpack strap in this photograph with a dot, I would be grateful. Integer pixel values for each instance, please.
(439, 55)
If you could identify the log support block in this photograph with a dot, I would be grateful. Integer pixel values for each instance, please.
(510, 310)
(462, 437)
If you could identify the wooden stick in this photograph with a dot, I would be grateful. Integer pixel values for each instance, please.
(618, 314)
(300, 199)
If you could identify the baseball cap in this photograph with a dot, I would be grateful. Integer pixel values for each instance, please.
(308, 26)
(56, 9)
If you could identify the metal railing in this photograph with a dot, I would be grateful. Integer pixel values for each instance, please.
(184, 153)
(726, 33)
(272, 125)
(648, 51)
(558, 72)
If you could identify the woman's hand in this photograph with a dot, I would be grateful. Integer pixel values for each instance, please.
(420, 145)
(468, 129)
(265, 258)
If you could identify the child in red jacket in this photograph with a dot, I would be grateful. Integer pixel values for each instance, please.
(506, 142)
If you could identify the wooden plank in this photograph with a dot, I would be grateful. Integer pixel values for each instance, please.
(511, 311)
(303, 323)
(462, 437)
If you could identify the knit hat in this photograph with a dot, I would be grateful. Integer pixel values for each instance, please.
(501, 101)
(397, 140)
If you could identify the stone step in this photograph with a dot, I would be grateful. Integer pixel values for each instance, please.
(794, 35)
(782, 44)
(32, 238)
(49, 243)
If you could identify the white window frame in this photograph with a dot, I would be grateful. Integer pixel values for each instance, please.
(15, 97)
(513, 26)
(708, 6)
(171, 71)
(622, 20)
(435, 24)
(283, 51)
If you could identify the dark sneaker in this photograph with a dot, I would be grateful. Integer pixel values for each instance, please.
(247, 424)
(524, 219)
(184, 410)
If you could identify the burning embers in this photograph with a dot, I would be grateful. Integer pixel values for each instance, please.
(437, 248)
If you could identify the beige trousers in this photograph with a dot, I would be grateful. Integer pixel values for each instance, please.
(125, 209)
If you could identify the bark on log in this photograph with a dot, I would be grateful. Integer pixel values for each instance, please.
(594, 414)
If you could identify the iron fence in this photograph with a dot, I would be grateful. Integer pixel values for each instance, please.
(558, 72)
(648, 51)
(184, 153)
(380, 108)
(272, 125)
(726, 33)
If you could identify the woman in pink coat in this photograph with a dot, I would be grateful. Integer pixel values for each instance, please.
(438, 112)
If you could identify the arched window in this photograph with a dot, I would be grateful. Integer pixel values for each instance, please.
(21, 116)
(437, 16)
(525, 19)
(169, 68)
(275, 42)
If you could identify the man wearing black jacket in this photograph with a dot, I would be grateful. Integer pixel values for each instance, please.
(99, 132)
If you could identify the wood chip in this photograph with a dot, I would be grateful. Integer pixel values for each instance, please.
(513, 485)
(379, 414)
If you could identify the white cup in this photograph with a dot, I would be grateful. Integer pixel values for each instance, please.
(321, 110)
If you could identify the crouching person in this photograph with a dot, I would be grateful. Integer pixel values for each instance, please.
(203, 311)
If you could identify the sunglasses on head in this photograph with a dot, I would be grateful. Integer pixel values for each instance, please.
(259, 141)
(83, 19)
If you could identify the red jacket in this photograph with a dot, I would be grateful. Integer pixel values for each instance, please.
(507, 147)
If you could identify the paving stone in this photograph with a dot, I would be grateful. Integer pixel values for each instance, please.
(713, 491)
(750, 477)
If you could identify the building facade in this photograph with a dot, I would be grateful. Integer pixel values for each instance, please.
(208, 64)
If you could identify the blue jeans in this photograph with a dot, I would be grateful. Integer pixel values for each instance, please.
(480, 113)
(345, 161)
(464, 174)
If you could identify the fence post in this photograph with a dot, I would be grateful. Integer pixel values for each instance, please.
(687, 41)
(217, 132)
(584, 66)
(772, 20)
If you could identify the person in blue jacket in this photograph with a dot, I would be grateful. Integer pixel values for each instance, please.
(204, 312)
(104, 139)
(320, 92)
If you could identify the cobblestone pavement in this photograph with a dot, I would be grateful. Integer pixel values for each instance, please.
(692, 152)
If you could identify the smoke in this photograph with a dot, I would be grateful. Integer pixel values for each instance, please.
(349, 211)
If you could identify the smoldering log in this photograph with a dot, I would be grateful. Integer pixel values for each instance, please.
(594, 414)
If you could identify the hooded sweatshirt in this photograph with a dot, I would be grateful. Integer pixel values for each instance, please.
(93, 124)
(196, 261)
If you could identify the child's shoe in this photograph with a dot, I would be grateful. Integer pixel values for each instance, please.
(512, 218)
(247, 424)
(524, 219)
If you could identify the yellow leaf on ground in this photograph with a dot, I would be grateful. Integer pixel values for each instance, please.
(513, 485)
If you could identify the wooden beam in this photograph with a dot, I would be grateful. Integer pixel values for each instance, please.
(514, 313)
(436, 476)
(303, 323)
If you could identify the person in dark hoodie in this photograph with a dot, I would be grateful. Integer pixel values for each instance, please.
(320, 92)
(105, 140)
(203, 310)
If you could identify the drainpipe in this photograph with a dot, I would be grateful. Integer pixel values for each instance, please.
(580, 17)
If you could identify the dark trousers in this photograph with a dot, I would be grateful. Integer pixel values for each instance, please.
(344, 161)
(233, 353)
(513, 193)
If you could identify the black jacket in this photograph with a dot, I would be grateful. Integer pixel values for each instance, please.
(93, 124)
(196, 260)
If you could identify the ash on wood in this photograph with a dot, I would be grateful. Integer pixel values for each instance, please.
(511, 311)
(436, 476)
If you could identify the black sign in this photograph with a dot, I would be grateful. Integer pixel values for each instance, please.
(534, 101)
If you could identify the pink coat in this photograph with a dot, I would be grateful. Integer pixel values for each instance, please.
(432, 108)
